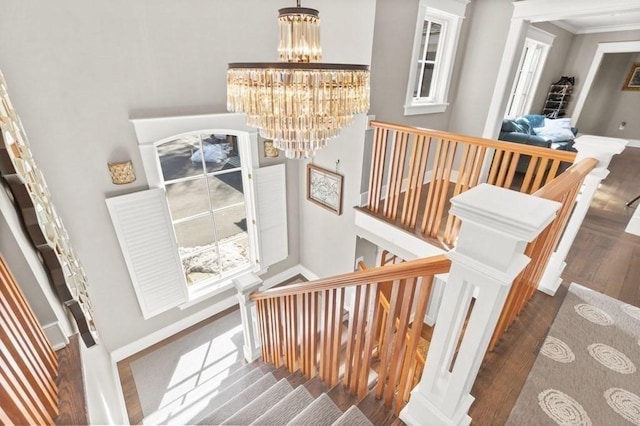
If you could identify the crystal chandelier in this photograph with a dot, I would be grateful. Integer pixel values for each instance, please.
(299, 102)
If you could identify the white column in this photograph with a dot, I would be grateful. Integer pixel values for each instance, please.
(496, 226)
(602, 149)
(247, 284)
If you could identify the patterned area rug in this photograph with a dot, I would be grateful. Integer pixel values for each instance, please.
(588, 369)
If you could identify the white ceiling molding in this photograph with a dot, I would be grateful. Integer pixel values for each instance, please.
(553, 10)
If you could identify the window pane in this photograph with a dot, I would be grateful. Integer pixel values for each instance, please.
(426, 80)
(188, 198)
(177, 158)
(201, 266)
(416, 87)
(220, 152)
(234, 254)
(425, 30)
(434, 38)
(194, 233)
(226, 189)
(230, 222)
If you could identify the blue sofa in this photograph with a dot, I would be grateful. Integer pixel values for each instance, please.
(520, 130)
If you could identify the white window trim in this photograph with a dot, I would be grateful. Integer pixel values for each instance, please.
(450, 14)
(156, 131)
(545, 40)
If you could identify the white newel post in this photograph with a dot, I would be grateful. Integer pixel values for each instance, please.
(245, 285)
(602, 149)
(496, 226)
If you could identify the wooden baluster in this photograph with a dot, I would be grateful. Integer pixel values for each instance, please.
(325, 360)
(277, 348)
(463, 178)
(354, 306)
(23, 410)
(22, 349)
(412, 180)
(553, 171)
(406, 381)
(314, 327)
(306, 335)
(371, 311)
(446, 180)
(377, 169)
(337, 336)
(385, 353)
(504, 166)
(431, 192)
(528, 176)
(263, 334)
(30, 323)
(473, 181)
(395, 365)
(512, 170)
(396, 174)
(495, 166)
(359, 343)
(540, 174)
(437, 181)
(423, 159)
(28, 383)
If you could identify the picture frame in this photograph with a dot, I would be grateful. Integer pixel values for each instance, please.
(270, 151)
(324, 188)
(632, 81)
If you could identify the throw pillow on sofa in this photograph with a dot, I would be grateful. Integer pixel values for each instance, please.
(557, 130)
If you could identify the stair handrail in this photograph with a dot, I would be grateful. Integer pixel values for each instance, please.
(434, 265)
(569, 179)
(561, 155)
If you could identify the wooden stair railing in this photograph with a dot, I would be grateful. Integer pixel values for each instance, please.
(564, 189)
(405, 158)
(28, 364)
(301, 326)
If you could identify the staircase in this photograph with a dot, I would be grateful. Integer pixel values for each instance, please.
(261, 394)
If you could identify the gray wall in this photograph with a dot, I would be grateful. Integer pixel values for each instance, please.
(582, 52)
(77, 72)
(394, 30)
(487, 34)
(554, 65)
(607, 105)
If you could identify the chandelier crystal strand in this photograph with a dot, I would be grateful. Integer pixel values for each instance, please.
(298, 103)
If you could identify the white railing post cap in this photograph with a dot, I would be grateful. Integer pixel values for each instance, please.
(513, 213)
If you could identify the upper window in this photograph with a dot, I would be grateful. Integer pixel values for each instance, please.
(534, 54)
(202, 177)
(435, 43)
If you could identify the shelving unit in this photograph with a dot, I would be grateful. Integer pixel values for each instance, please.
(558, 98)
(44, 227)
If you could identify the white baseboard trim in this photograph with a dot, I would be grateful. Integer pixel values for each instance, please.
(308, 274)
(281, 277)
(55, 335)
(633, 143)
(163, 333)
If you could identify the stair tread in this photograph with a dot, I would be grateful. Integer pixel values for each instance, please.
(197, 398)
(261, 404)
(285, 410)
(321, 412)
(228, 392)
(239, 400)
(353, 417)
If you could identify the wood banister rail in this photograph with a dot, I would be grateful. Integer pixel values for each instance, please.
(302, 326)
(571, 178)
(421, 267)
(488, 143)
(565, 189)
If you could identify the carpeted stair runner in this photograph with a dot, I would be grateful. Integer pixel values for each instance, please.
(261, 404)
(284, 411)
(321, 412)
(353, 417)
(259, 399)
(239, 400)
(224, 395)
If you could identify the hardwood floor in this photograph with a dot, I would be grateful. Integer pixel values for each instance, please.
(71, 399)
(603, 258)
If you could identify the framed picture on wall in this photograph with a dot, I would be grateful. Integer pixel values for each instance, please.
(324, 188)
(270, 151)
(633, 78)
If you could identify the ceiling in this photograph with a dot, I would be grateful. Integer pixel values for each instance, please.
(619, 21)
